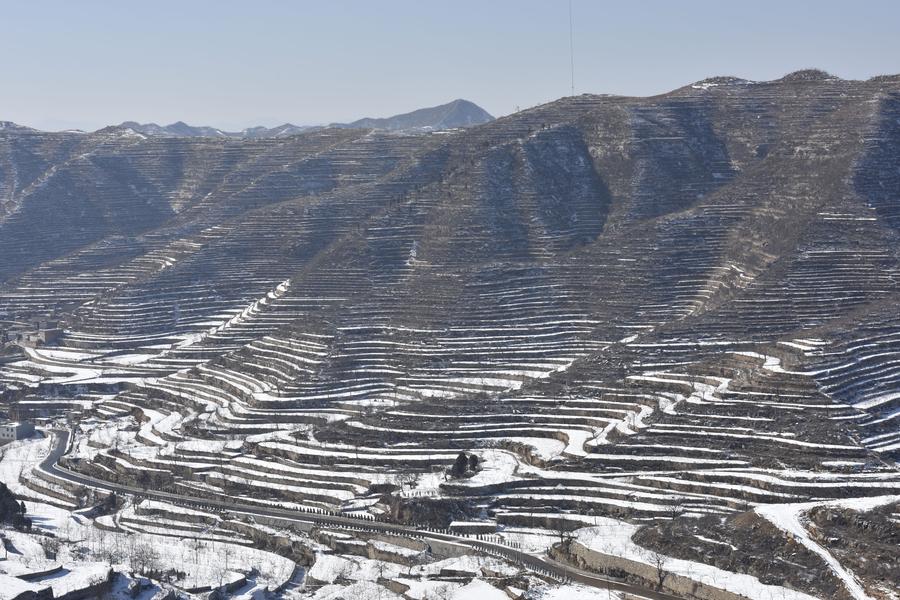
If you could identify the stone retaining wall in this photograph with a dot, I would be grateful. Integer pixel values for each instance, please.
(599, 562)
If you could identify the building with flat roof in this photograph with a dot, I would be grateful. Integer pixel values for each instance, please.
(15, 430)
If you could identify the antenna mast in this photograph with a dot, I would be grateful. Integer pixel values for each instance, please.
(572, 47)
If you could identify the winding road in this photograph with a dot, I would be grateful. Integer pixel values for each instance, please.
(539, 564)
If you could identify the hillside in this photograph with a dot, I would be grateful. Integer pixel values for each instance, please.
(675, 313)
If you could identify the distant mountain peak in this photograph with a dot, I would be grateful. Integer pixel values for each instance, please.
(722, 80)
(452, 115)
(182, 129)
(886, 78)
(808, 75)
(11, 125)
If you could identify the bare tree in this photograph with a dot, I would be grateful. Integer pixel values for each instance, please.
(344, 573)
(442, 591)
(562, 528)
(223, 568)
(51, 547)
(676, 509)
(659, 562)
(144, 558)
(407, 479)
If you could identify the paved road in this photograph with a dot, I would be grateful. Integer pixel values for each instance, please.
(537, 563)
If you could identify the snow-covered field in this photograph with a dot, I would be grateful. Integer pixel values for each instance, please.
(157, 537)
(791, 519)
(613, 537)
(86, 553)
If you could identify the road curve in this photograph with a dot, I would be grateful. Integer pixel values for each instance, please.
(540, 564)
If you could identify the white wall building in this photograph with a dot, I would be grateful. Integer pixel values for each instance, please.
(15, 431)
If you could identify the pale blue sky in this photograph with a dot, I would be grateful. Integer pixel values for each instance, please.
(234, 64)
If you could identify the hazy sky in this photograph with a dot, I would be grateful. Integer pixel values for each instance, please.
(231, 64)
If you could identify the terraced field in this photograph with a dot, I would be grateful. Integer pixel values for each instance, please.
(663, 311)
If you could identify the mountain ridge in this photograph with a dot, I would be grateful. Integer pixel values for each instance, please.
(182, 129)
(455, 114)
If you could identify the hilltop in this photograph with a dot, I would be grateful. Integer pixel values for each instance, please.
(453, 115)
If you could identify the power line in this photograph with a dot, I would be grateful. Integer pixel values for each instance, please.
(572, 46)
